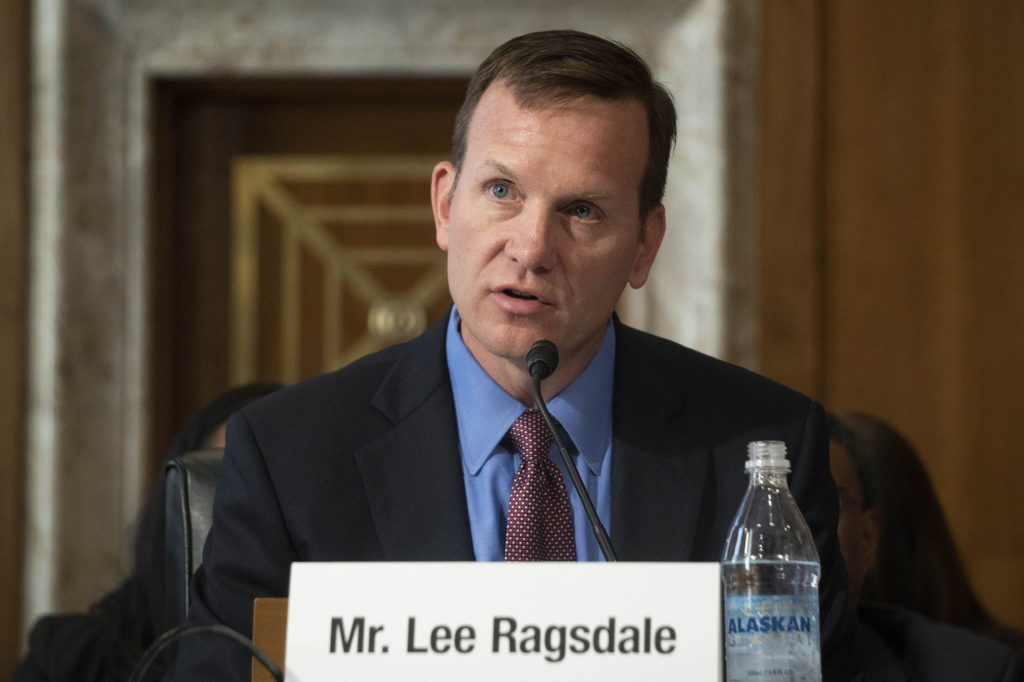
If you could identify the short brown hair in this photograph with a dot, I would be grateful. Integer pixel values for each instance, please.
(547, 67)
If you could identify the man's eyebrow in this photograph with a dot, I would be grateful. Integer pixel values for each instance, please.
(500, 168)
(595, 195)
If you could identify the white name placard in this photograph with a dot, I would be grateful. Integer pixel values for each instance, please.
(504, 621)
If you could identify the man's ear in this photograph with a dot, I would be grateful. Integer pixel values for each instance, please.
(441, 183)
(653, 233)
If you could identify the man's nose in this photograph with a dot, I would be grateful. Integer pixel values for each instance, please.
(532, 239)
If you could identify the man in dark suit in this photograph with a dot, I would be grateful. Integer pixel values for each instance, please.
(550, 205)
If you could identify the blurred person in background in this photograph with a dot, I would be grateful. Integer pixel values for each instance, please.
(919, 616)
(103, 644)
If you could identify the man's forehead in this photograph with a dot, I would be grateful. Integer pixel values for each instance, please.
(499, 110)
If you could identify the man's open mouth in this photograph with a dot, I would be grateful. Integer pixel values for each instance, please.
(520, 295)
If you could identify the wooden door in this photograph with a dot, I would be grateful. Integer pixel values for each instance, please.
(292, 228)
(893, 242)
(14, 235)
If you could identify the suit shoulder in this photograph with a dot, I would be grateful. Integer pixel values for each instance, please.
(681, 366)
(353, 383)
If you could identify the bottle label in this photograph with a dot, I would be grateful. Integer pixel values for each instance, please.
(772, 638)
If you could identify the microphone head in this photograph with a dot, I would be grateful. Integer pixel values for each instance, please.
(542, 359)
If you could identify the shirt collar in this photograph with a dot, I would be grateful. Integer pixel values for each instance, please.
(485, 411)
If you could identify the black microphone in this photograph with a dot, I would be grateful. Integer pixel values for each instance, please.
(541, 361)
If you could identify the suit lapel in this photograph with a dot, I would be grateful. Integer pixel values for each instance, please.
(413, 472)
(662, 474)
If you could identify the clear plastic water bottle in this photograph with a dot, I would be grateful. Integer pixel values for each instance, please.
(770, 573)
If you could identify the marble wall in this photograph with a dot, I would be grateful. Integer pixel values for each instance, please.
(92, 63)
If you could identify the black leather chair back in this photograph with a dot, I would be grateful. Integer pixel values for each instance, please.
(190, 481)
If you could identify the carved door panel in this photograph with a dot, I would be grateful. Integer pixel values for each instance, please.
(333, 257)
(292, 229)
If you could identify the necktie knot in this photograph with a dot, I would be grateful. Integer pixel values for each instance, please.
(530, 436)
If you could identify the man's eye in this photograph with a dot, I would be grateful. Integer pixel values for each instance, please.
(583, 212)
(499, 190)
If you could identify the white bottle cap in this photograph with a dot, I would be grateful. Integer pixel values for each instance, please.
(767, 455)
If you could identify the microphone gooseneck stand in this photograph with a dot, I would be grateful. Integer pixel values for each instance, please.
(173, 635)
(541, 361)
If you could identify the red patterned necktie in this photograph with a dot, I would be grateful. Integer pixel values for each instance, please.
(539, 518)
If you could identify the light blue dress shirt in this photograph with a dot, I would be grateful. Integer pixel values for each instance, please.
(485, 412)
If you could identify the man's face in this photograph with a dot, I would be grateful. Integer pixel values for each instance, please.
(542, 230)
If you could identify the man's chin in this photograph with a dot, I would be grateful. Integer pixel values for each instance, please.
(509, 342)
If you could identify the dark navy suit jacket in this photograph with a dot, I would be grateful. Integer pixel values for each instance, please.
(363, 464)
